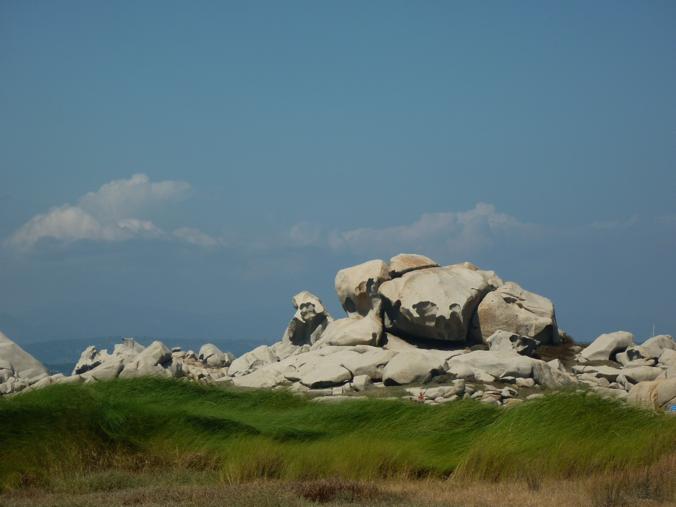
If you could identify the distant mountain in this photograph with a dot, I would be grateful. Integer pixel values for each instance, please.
(61, 355)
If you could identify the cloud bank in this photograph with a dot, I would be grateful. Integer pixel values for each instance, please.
(457, 232)
(117, 212)
(109, 214)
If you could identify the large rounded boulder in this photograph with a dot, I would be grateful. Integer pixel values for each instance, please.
(515, 310)
(435, 303)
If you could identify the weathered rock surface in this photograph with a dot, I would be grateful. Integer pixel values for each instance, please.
(607, 345)
(154, 360)
(497, 364)
(435, 303)
(263, 378)
(413, 367)
(214, 357)
(505, 341)
(403, 263)
(89, 359)
(648, 352)
(653, 347)
(252, 360)
(309, 321)
(655, 394)
(641, 373)
(552, 374)
(354, 330)
(18, 369)
(358, 285)
(516, 310)
(667, 358)
(608, 372)
(20, 362)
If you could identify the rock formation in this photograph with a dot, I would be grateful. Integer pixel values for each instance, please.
(446, 332)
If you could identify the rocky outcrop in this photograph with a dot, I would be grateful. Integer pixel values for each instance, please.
(516, 310)
(435, 303)
(410, 323)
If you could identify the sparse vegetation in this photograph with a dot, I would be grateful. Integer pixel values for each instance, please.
(135, 435)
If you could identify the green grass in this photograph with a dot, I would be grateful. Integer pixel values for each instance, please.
(142, 424)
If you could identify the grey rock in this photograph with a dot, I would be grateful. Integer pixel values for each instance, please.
(213, 357)
(641, 373)
(404, 263)
(435, 303)
(654, 394)
(497, 364)
(513, 309)
(357, 286)
(19, 362)
(252, 360)
(606, 346)
(412, 367)
(354, 330)
(505, 341)
(309, 321)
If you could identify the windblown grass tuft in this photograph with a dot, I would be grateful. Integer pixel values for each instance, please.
(235, 436)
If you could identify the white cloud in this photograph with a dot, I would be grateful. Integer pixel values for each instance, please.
(124, 198)
(455, 232)
(104, 215)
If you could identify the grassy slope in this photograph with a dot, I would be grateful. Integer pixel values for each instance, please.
(64, 430)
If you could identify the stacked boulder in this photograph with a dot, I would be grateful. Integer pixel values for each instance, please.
(411, 321)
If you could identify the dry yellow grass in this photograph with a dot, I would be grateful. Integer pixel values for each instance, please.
(652, 486)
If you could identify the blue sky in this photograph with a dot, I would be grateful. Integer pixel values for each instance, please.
(181, 169)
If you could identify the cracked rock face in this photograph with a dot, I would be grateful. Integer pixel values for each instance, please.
(516, 310)
(435, 303)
